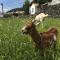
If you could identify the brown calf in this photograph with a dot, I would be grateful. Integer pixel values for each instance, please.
(43, 39)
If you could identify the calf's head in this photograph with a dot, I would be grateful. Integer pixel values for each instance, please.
(28, 28)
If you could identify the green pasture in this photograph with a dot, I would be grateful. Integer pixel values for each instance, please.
(16, 46)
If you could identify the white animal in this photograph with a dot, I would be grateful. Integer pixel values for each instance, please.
(39, 18)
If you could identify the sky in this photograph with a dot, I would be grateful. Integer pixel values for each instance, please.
(11, 4)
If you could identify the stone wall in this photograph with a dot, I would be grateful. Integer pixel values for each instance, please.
(52, 10)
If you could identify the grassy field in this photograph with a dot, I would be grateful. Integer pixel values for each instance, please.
(16, 46)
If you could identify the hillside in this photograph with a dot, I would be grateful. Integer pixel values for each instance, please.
(16, 9)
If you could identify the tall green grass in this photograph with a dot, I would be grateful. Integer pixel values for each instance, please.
(16, 46)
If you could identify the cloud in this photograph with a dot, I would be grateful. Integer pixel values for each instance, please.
(6, 9)
(31, 0)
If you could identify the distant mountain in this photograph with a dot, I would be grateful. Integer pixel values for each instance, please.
(16, 9)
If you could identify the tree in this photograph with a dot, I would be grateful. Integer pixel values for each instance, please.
(26, 7)
(42, 1)
(2, 7)
(35, 1)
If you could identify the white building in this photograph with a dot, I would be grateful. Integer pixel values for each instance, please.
(33, 9)
(1, 14)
